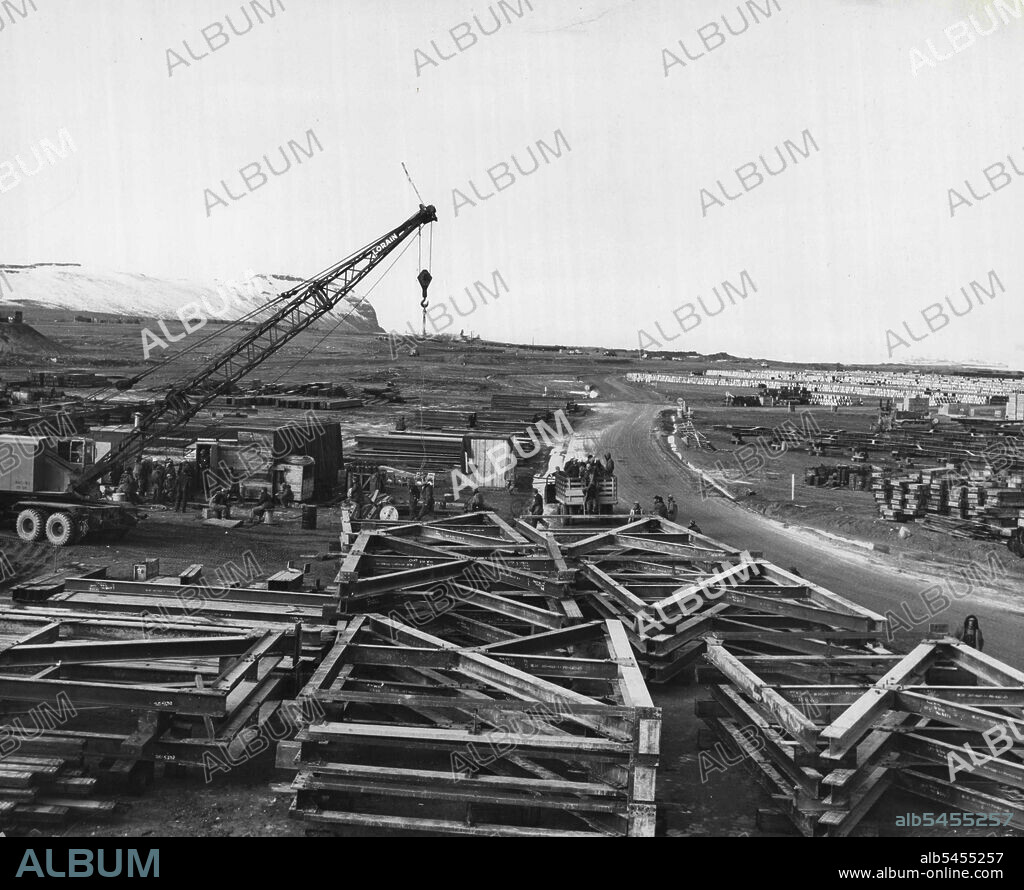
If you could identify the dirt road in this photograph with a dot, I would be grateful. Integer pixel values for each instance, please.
(646, 467)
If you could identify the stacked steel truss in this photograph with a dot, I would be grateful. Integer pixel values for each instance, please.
(466, 694)
(105, 679)
(828, 733)
(468, 675)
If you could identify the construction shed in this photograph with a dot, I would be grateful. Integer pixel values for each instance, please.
(321, 441)
(250, 450)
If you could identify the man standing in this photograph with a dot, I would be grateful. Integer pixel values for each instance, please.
(156, 482)
(537, 507)
(414, 498)
(673, 509)
(147, 471)
(170, 483)
(476, 503)
(970, 634)
(659, 507)
(183, 488)
(138, 474)
(427, 501)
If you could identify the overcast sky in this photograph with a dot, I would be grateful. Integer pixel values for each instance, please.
(609, 238)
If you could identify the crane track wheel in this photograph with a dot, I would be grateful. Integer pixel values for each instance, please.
(60, 529)
(30, 525)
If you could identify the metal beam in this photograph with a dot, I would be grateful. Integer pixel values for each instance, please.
(796, 724)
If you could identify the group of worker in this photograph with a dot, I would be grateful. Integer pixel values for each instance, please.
(375, 486)
(421, 498)
(156, 482)
(590, 469)
(665, 510)
(590, 472)
(219, 503)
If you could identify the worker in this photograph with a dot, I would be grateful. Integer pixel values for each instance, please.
(218, 504)
(170, 483)
(287, 496)
(636, 512)
(138, 472)
(183, 488)
(264, 505)
(970, 634)
(590, 496)
(476, 503)
(414, 497)
(659, 507)
(156, 483)
(144, 478)
(537, 507)
(609, 464)
(130, 488)
(426, 501)
(672, 509)
(693, 527)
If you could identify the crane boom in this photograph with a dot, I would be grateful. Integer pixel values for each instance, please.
(300, 307)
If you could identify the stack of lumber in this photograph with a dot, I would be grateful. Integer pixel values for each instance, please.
(839, 475)
(532, 402)
(102, 679)
(440, 418)
(417, 451)
(308, 403)
(45, 791)
(981, 498)
(496, 420)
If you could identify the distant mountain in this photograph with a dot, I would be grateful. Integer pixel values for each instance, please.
(84, 290)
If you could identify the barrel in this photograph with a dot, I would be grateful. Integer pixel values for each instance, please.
(308, 516)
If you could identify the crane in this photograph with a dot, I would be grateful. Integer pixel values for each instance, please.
(68, 516)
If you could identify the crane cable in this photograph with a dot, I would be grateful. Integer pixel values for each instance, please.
(250, 316)
(354, 306)
(104, 393)
(101, 395)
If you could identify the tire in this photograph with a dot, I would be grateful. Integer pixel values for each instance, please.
(60, 529)
(30, 525)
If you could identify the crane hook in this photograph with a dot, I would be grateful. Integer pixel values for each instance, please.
(424, 278)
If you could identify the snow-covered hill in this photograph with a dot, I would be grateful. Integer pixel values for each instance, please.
(85, 290)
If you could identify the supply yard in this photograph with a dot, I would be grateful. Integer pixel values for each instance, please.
(356, 661)
(516, 420)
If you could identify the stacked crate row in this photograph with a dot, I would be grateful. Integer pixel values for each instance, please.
(841, 475)
(995, 501)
